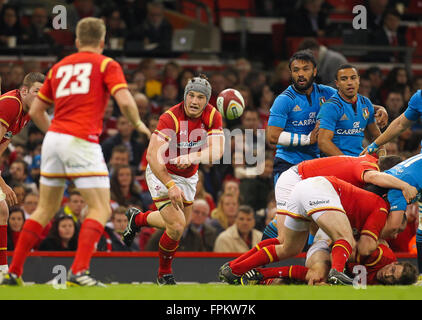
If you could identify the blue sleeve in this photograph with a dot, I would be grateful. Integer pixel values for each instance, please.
(279, 111)
(328, 116)
(330, 91)
(396, 200)
(371, 109)
(414, 107)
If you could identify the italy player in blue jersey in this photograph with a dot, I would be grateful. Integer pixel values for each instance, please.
(293, 115)
(346, 117)
(411, 168)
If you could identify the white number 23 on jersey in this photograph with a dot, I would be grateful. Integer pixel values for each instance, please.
(80, 85)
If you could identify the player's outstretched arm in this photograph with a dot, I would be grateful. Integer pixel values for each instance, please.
(388, 181)
(213, 152)
(38, 114)
(128, 107)
(396, 127)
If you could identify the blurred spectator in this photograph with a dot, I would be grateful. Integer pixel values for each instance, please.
(18, 174)
(171, 70)
(81, 9)
(139, 79)
(63, 235)
(265, 102)
(32, 66)
(30, 203)
(328, 61)
(201, 193)
(115, 231)
(182, 81)
(198, 235)
(232, 77)
(243, 66)
(142, 102)
(155, 33)
(20, 191)
(388, 35)
(109, 122)
(246, 93)
(15, 78)
(123, 189)
(74, 207)
(280, 78)
(218, 83)
(365, 86)
(241, 236)
(375, 13)
(14, 226)
(224, 215)
(374, 74)
(133, 12)
(394, 104)
(10, 27)
(116, 30)
(170, 93)
(119, 156)
(308, 21)
(417, 84)
(128, 137)
(37, 33)
(149, 68)
(35, 170)
(256, 80)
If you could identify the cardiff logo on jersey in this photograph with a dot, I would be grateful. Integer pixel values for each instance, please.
(365, 113)
(322, 101)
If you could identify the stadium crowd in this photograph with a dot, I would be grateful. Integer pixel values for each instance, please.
(231, 209)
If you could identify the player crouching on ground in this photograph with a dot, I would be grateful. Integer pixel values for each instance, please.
(187, 134)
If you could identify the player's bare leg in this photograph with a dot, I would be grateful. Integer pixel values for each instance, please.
(4, 215)
(49, 203)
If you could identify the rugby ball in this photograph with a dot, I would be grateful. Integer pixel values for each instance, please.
(230, 104)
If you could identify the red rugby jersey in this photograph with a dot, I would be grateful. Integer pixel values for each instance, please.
(12, 115)
(381, 257)
(80, 86)
(347, 168)
(186, 135)
(367, 212)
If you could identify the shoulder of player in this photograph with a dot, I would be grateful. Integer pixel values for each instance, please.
(333, 101)
(324, 89)
(11, 96)
(364, 100)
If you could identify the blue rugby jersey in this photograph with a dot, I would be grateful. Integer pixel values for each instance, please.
(410, 171)
(348, 122)
(296, 113)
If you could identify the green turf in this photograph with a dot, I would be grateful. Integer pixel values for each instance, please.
(211, 292)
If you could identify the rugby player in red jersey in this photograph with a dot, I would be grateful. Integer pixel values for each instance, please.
(187, 134)
(336, 207)
(79, 86)
(355, 170)
(380, 268)
(14, 107)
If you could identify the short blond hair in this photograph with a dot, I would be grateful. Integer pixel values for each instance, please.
(90, 31)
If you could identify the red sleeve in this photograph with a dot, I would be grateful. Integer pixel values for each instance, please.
(114, 77)
(10, 109)
(364, 166)
(376, 221)
(46, 92)
(166, 127)
(215, 122)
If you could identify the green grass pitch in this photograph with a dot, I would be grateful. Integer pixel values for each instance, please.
(211, 292)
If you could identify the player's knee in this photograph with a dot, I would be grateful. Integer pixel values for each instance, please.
(4, 212)
(175, 229)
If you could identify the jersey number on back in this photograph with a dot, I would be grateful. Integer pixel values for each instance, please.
(80, 85)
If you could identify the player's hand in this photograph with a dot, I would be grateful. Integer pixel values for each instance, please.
(410, 193)
(142, 128)
(313, 137)
(176, 197)
(182, 162)
(372, 148)
(313, 277)
(11, 197)
(381, 116)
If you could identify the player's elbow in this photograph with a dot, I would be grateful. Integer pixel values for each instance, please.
(366, 246)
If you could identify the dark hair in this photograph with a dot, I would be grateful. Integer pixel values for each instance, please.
(246, 209)
(387, 162)
(409, 274)
(346, 66)
(309, 43)
(116, 192)
(120, 148)
(379, 191)
(54, 232)
(304, 55)
(31, 78)
(10, 244)
(393, 12)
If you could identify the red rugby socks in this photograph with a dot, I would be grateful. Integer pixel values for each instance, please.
(287, 272)
(166, 249)
(259, 246)
(141, 218)
(340, 252)
(262, 257)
